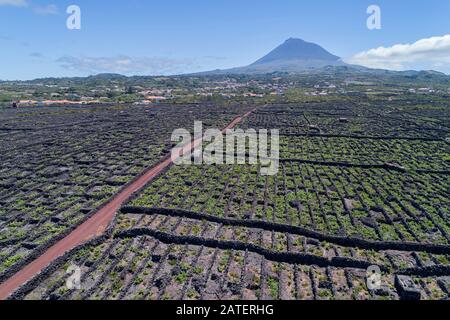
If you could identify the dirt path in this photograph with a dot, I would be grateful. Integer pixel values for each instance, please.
(96, 225)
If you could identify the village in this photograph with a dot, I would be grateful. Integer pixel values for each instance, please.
(156, 90)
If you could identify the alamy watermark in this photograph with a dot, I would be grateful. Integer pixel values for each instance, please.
(73, 282)
(373, 276)
(73, 22)
(231, 146)
(374, 20)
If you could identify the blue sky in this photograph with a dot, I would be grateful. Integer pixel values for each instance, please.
(173, 36)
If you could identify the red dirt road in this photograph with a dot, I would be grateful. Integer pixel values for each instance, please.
(96, 225)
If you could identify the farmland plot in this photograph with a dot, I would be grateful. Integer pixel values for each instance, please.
(342, 201)
(58, 165)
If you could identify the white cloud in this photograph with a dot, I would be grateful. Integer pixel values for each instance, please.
(15, 3)
(46, 10)
(126, 65)
(434, 51)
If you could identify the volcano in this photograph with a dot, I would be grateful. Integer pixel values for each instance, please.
(294, 55)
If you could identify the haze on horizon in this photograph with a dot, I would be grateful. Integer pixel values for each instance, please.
(138, 37)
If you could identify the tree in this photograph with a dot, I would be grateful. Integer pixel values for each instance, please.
(129, 90)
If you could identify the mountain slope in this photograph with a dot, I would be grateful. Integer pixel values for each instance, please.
(295, 50)
(294, 55)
